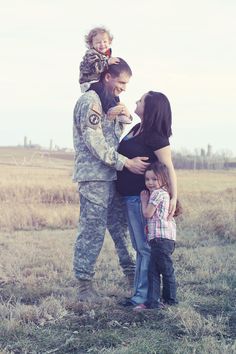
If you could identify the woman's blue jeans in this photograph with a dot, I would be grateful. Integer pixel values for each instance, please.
(136, 224)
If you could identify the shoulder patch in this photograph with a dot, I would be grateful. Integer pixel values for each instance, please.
(94, 119)
(96, 108)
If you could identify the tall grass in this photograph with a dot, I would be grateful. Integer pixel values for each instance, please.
(37, 198)
(209, 202)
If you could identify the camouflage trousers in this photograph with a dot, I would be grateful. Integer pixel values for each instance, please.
(101, 208)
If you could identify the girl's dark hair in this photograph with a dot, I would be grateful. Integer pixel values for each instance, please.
(157, 115)
(161, 172)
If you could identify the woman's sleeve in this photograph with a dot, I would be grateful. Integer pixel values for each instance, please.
(156, 142)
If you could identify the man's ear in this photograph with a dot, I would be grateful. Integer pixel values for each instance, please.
(107, 77)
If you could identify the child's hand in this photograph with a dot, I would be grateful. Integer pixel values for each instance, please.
(144, 196)
(113, 60)
(114, 112)
(124, 119)
(120, 109)
(124, 110)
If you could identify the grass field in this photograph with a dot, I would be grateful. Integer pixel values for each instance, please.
(38, 308)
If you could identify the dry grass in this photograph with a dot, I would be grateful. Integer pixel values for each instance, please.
(37, 195)
(38, 308)
(39, 312)
(209, 202)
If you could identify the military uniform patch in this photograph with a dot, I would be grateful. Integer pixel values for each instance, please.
(94, 119)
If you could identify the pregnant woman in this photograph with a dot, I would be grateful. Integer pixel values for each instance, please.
(148, 138)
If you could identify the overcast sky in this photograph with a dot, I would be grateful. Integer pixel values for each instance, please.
(185, 49)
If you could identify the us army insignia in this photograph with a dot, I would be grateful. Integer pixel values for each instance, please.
(94, 119)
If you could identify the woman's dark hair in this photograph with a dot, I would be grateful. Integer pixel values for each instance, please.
(162, 174)
(157, 115)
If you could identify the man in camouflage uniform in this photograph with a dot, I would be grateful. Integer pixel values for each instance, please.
(96, 139)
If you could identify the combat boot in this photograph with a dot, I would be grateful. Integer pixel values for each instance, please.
(130, 280)
(87, 293)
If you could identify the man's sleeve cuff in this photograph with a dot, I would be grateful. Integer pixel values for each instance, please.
(120, 162)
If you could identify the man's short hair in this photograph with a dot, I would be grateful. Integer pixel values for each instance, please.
(116, 69)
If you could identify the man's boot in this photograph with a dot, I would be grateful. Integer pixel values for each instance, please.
(130, 280)
(87, 293)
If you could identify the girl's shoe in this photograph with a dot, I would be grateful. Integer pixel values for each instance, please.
(140, 307)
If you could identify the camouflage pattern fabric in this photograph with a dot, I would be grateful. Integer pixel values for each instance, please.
(100, 208)
(92, 65)
(96, 161)
(95, 141)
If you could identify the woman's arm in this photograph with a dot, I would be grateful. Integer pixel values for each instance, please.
(164, 156)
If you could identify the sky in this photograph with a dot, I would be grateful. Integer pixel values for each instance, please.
(185, 49)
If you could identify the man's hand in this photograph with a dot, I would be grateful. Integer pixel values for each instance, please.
(113, 60)
(137, 165)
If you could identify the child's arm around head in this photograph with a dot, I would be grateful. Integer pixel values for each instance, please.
(113, 60)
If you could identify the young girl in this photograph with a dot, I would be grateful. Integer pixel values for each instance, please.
(161, 234)
(96, 61)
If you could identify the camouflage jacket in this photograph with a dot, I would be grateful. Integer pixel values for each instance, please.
(95, 141)
(92, 65)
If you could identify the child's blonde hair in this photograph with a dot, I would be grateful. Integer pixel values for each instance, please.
(93, 32)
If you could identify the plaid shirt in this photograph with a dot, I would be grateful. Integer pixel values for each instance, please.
(158, 225)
